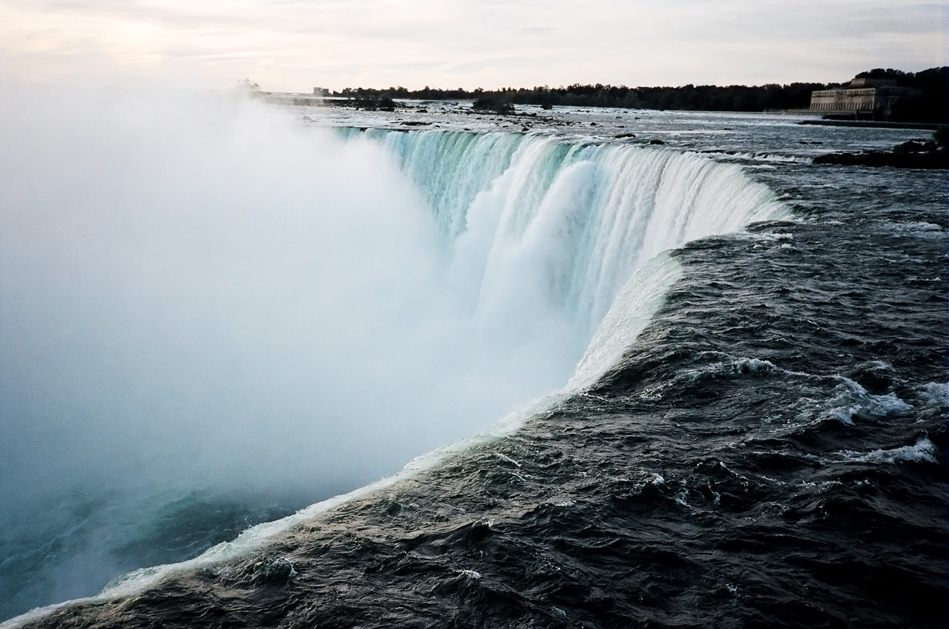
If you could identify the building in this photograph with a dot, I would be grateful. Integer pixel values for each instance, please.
(865, 97)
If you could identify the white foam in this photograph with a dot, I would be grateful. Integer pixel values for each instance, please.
(740, 366)
(760, 157)
(914, 228)
(852, 400)
(923, 451)
(935, 393)
(470, 574)
(763, 236)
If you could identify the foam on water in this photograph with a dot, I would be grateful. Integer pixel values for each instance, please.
(853, 401)
(936, 393)
(923, 451)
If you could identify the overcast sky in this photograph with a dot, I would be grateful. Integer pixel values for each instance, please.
(294, 45)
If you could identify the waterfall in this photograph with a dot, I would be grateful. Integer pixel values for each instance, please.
(205, 306)
(537, 218)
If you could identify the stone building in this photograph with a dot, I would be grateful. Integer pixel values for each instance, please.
(871, 98)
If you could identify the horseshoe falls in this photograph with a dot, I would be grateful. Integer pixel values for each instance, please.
(212, 315)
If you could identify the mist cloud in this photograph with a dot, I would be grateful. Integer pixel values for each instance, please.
(198, 290)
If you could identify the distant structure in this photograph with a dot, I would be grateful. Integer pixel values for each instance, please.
(319, 91)
(865, 98)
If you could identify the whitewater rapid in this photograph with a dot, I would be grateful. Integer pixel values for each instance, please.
(201, 296)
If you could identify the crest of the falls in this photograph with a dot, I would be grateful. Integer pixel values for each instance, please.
(536, 220)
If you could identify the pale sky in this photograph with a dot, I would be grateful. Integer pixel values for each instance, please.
(294, 45)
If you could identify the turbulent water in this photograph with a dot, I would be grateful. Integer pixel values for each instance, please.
(749, 430)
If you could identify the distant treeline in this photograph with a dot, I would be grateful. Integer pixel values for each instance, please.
(933, 105)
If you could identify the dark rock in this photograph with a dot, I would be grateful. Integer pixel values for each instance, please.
(915, 146)
(493, 105)
(928, 154)
(937, 159)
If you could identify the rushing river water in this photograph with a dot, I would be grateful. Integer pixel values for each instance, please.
(730, 366)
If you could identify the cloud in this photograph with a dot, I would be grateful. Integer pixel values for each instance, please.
(294, 44)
